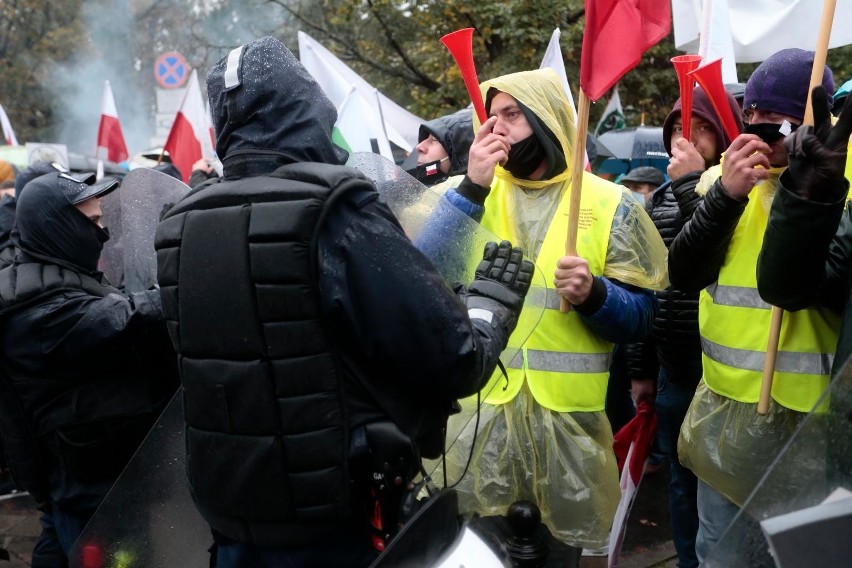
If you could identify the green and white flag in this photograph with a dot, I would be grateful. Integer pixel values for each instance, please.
(613, 115)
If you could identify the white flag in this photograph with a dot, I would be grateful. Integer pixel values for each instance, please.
(553, 59)
(383, 120)
(760, 28)
(8, 133)
(716, 41)
(613, 115)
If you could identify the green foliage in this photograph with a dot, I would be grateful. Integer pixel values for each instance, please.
(33, 34)
(393, 44)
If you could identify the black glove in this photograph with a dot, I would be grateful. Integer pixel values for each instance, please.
(817, 154)
(499, 287)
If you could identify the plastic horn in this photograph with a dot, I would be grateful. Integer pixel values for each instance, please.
(460, 44)
(683, 64)
(710, 78)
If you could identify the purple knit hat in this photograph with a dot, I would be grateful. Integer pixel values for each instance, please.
(780, 83)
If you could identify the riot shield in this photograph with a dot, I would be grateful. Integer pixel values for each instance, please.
(787, 523)
(148, 518)
(145, 194)
(454, 243)
(111, 262)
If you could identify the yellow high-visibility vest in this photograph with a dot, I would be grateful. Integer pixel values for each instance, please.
(734, 325)
(565, 364)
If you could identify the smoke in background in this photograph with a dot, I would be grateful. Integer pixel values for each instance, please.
(122, 48)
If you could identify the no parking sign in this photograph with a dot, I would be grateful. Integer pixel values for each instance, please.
(171, 70)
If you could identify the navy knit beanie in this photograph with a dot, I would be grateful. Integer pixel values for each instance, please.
(780, 83)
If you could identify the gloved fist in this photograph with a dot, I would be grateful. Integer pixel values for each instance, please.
(500, 284)
(817, 154)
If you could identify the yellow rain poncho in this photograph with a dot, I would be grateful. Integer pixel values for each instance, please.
(723, 439)
(543, 434)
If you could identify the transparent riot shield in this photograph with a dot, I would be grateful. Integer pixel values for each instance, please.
(787, 522)
(148, 519)
(454, 243)
(145, 195)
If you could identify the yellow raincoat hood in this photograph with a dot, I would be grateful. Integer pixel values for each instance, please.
(541, 92)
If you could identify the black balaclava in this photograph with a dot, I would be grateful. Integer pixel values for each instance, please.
(526, 155)
(52, 230)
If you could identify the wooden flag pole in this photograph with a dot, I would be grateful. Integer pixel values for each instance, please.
(577, 168)
(777, 313)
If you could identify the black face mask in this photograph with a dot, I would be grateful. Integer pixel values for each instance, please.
(525, 157)
(768, 132)
(429, 173)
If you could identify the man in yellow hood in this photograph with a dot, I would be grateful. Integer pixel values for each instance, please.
(544, 435)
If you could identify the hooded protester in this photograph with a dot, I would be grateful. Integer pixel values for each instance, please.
(723, 440)
(89, 368)
(314, 338)
(7, 208)
(544, 436)
(666, 367)
(443, 147)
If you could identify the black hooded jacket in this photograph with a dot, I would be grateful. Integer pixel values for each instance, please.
(455, 133)
(91, 367)
(300, 312)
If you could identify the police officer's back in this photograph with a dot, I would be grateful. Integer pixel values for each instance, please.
(303, 317)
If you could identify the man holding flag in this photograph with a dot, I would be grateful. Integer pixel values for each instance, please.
(724, 440)
(545, 436)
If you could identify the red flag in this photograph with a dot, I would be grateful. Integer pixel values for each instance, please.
(189, 139)
(632, 446)
(109, 129)
(617, 33)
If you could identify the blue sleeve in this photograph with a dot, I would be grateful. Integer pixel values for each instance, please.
(445, 229)
(626, 315)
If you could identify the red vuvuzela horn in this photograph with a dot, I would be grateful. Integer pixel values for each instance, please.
(683, 65)
(460, 44)
(710, 78)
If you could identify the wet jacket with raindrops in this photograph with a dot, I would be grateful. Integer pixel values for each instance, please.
(300, 312)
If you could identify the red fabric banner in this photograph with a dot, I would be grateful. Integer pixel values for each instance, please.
(617, 33)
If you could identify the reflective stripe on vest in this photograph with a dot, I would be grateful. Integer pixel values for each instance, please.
(739, 296)
(734, 325)
(786, 362)
(564, 363)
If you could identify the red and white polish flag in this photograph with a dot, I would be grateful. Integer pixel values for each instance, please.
(109, 129)
(8, 133)
(190, 139)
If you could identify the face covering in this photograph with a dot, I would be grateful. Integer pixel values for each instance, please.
(640, 197)
(768, 132)
(524, 157)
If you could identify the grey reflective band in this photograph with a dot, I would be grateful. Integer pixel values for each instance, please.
(559, 362)
(736, 296)
(479, 313)
(232, 69)
(786, 362)
(517, 361)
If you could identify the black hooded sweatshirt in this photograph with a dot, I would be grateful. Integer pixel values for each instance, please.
(300, 312)
(90, 365)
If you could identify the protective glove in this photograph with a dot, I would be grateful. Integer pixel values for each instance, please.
(817, 154)
(500, 284)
